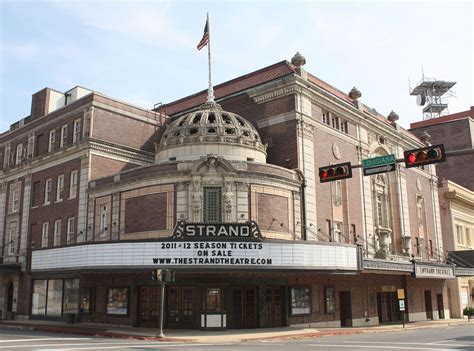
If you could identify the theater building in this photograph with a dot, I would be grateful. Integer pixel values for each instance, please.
(96, 193)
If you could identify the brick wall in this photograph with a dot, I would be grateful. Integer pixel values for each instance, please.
(55, 210)
(146, 213)
(103, 166)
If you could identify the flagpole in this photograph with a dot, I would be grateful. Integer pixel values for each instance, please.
(210, 90)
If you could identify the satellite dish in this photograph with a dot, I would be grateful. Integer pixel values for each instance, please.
(420, 100)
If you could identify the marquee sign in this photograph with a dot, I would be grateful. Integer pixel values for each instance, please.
(197, 254)
(211, 231)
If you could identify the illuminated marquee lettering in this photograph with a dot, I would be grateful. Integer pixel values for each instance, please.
(248, 230)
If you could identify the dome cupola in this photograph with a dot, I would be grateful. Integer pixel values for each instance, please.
(210, 130)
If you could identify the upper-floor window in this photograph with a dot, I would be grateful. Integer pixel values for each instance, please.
(380, 196)
(47, 191)
(44, 234)
(6, 158)
(103, 220)
(338, 232)
(460, 234)
(420, 215)
(57, 233)
(63, 140)
(12, 235)
(52, 140)
(31, 147)
(335, 122)
(212, 204)
(19, 153)
(15, 200)
(469, 237)
(73, 185)
(77, 131)
(336, 193)
(60, 188)
(70, 230)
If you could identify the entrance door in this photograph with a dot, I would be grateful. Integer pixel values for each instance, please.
(149, 306)
(440, 306)
(9, 311)
(428, 305)
(271, 307)
(345, 308)
(244, 308)
(181, 307)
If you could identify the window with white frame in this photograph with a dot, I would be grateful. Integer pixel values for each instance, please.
(15, 200)
(77, 131)
(338, 232)
(103, 220)
(57, 233)
(335, 122)
(60, 188)
(63, 140)
(47, 191)
(460, 234)
(19, 154)
(12, 235)
(336, 193)
(73, 185)
(31, 147)
(45, 234)
(70, 230)
(381, 191)
(52, 140)
(469, 237)
(326, 118)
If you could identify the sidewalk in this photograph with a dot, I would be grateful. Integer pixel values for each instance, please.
(198, 336)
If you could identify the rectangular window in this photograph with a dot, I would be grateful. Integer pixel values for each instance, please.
(469, 237)
(117, 301)
(381, 210)
(335, 122)
(329, 229)
(31, 147)
(326, 118)
(354, 233)
(6, 158)
(15, 200)
(430, 242)
(38, 301)
(71, 296)
(70, 230)
(212, 204)
(103, 220)
(57, 233)
(12, 235)
(73, 185)
(336, 193)
(86, 300)
(54, 297)
(60, 188)
(52, 140)
(47, 191)
(460, 234)
(329, 300)
(19, 154)
(45, 234)
(77, 131)
(213, 300)
(63, 140)
(300, 300)
(338, 232)
(344, 127)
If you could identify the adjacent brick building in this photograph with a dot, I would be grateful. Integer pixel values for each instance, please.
(101, 193)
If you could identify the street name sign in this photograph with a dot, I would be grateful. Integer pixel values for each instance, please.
(380, 164)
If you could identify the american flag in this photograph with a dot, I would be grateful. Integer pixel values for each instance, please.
(205, 37)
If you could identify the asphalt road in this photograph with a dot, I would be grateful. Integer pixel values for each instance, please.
(445, 338)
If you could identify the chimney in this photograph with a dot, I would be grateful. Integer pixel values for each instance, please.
(39, 103)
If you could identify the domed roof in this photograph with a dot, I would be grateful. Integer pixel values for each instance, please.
(210, 125)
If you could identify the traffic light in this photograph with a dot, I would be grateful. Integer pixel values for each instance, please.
(425, 156)
(335, 172)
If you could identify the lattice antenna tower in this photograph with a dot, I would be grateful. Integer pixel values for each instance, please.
(433, 95)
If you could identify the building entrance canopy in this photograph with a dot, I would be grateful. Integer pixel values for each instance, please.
(201, 254)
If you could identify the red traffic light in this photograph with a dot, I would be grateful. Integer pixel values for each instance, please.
(335, 172)
(425, 156)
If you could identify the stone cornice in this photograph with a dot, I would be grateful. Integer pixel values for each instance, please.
(143, 156)
(460, 196)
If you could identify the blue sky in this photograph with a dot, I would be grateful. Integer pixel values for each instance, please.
(144, 52)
